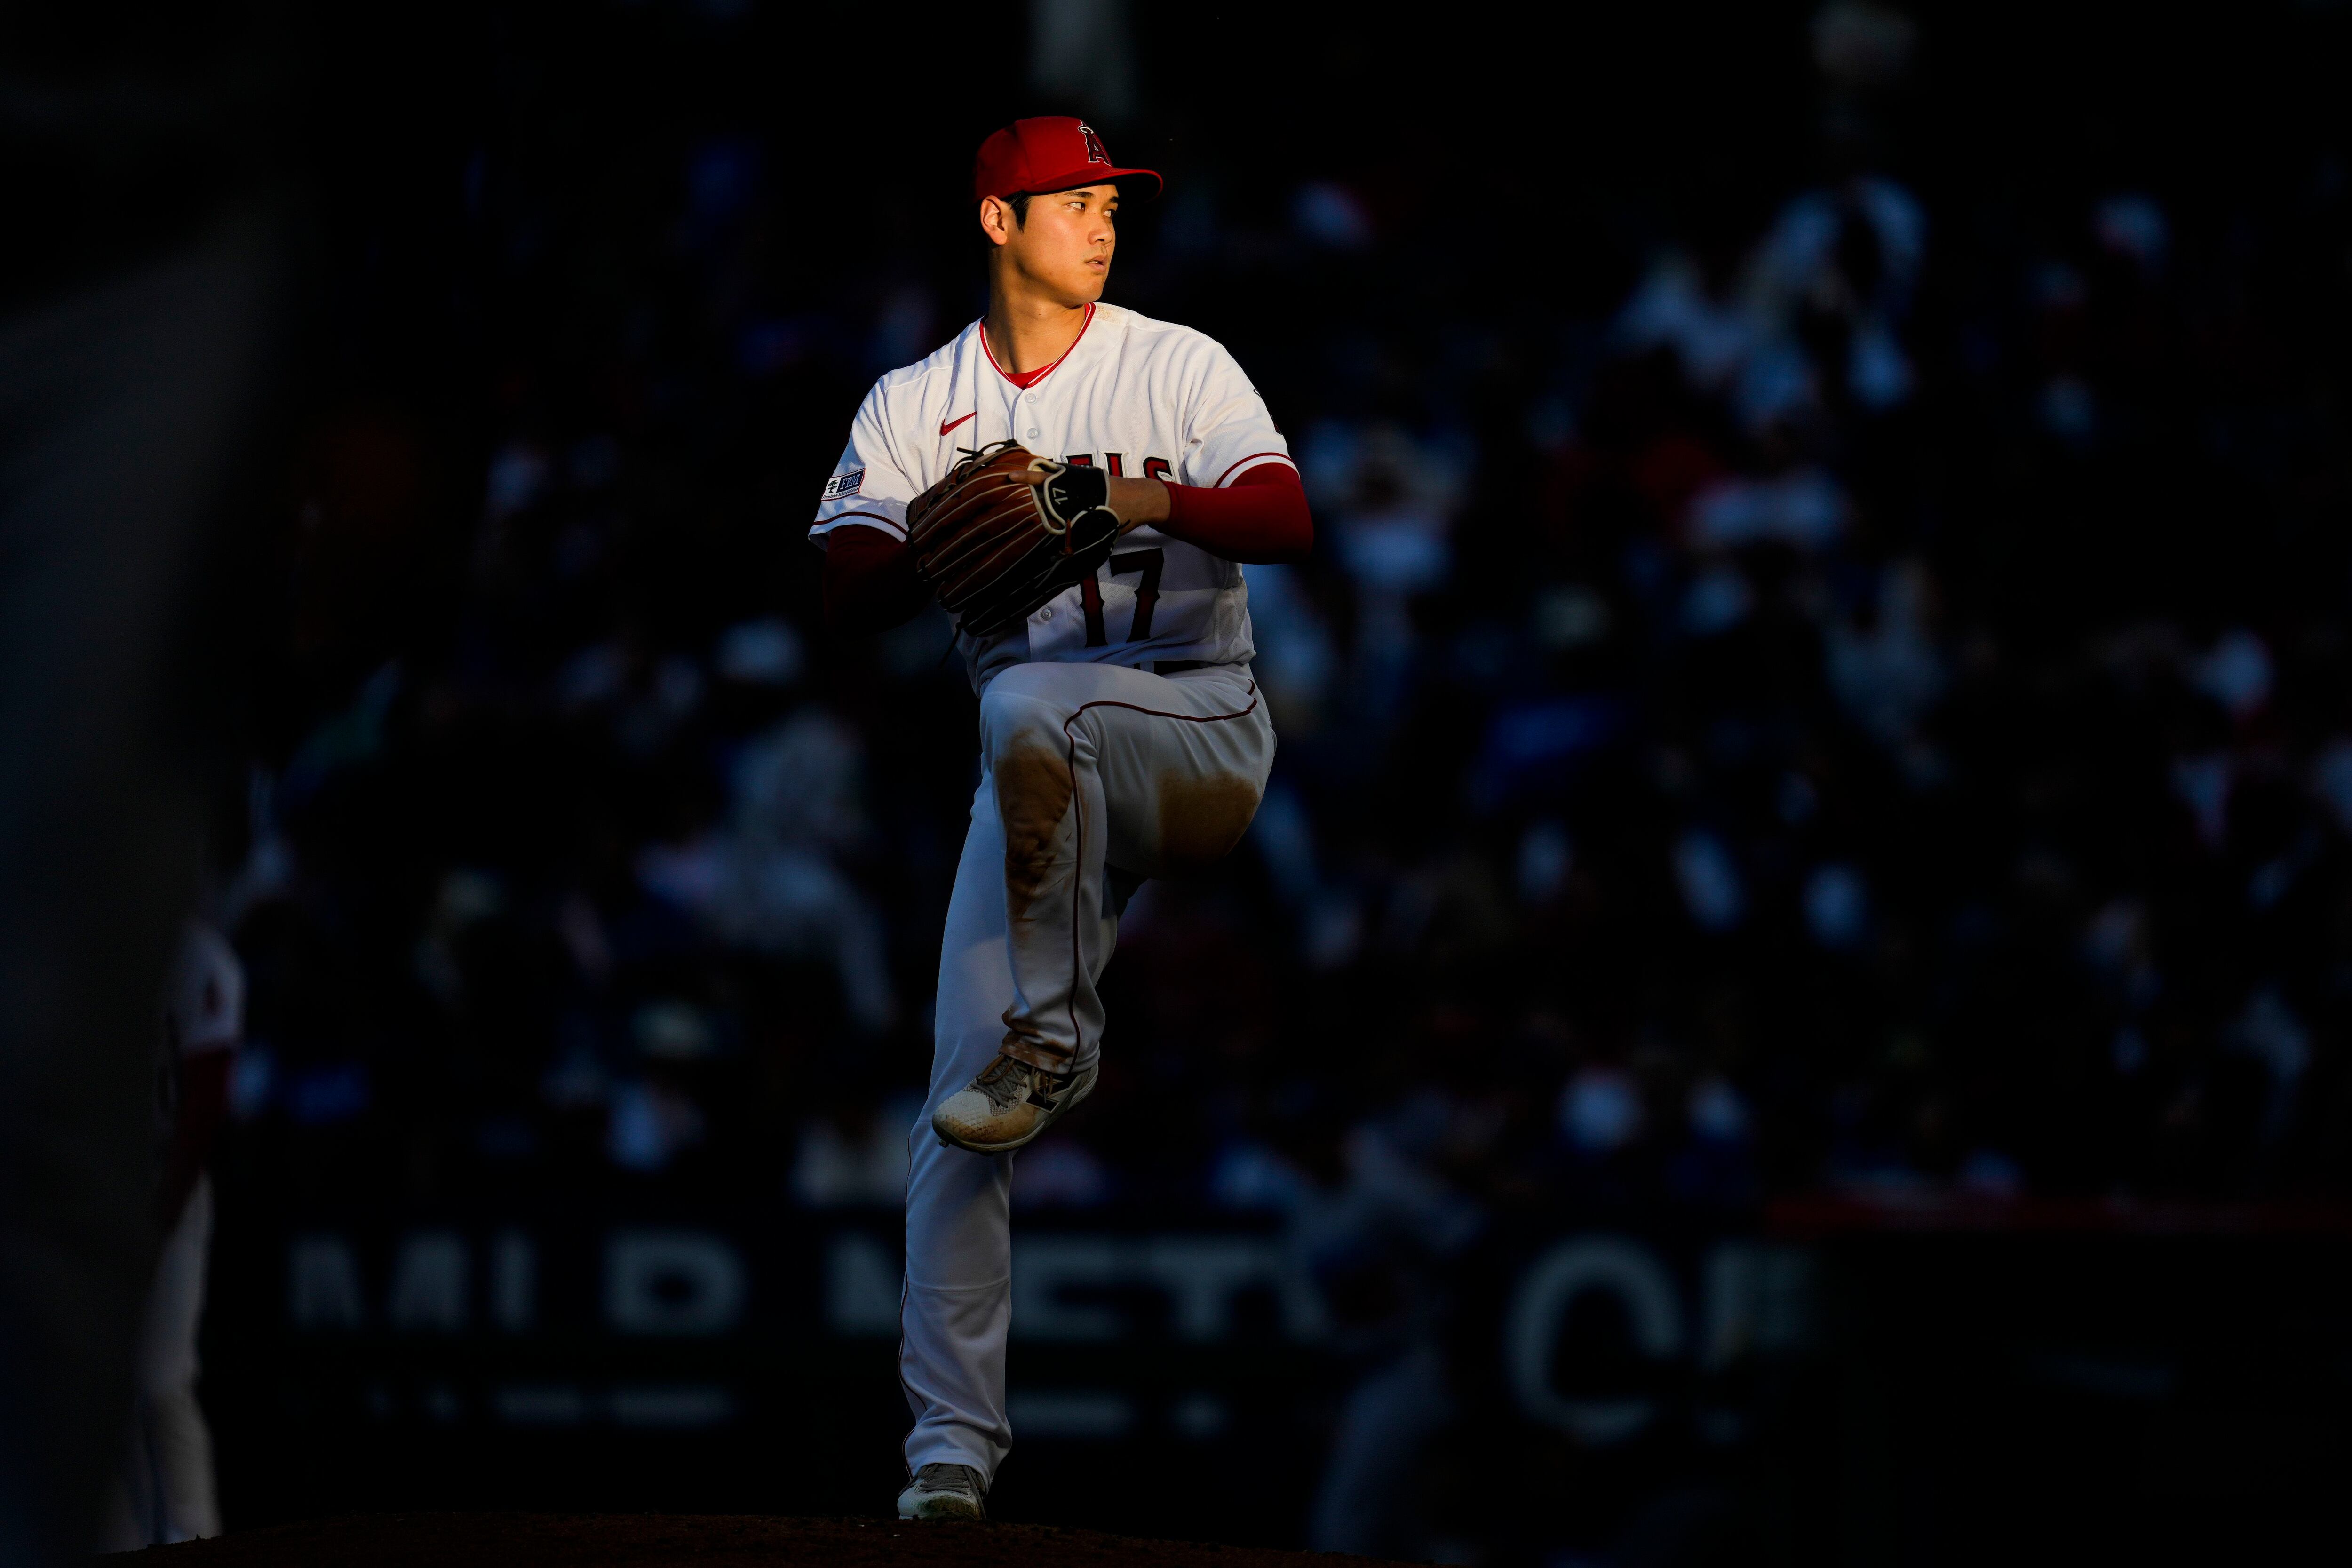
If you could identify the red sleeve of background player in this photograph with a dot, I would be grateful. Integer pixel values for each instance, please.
(869, 581)
(1260, 520)
(204, 1104)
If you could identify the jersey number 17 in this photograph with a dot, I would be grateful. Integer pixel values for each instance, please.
(1146, 562)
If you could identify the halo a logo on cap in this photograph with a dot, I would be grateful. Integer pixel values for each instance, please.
(1095, 153)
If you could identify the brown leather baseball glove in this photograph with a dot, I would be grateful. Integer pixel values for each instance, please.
(1005, 532)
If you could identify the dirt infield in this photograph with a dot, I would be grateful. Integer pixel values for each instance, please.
(696, 1540)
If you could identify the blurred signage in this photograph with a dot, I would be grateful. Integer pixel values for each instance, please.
(1086, 1286)
(1588, 1333)
(1601, 1335)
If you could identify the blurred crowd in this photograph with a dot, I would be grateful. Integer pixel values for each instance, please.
(1857, 709)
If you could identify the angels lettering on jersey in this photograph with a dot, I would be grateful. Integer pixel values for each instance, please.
(1141, 399)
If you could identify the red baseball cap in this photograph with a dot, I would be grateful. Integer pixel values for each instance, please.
(1052, 152)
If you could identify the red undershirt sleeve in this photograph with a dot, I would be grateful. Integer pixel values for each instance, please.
(869, 581)
(1259, 520)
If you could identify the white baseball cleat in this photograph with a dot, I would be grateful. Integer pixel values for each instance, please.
(1008, 1104)
(944, 1491)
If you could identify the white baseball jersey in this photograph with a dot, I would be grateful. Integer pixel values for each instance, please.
(164, 1490)
(1140, 398)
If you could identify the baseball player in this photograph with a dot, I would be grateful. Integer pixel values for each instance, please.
(1078, 485)
(165, 1492)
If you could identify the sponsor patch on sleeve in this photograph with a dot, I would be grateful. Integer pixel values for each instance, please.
(842, 485)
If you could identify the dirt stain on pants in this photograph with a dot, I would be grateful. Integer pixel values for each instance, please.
(1201, 818)
(1032, 796)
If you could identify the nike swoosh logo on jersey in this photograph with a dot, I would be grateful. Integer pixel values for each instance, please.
(953, 423)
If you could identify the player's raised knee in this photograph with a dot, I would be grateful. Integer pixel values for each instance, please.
(1013, 719)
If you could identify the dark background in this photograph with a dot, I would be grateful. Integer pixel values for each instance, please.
(1814, 772)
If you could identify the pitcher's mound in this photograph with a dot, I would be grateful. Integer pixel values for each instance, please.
(699, 1540)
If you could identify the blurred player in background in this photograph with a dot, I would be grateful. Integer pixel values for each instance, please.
(139, 285)
(166, 1491)
(1122, 734)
